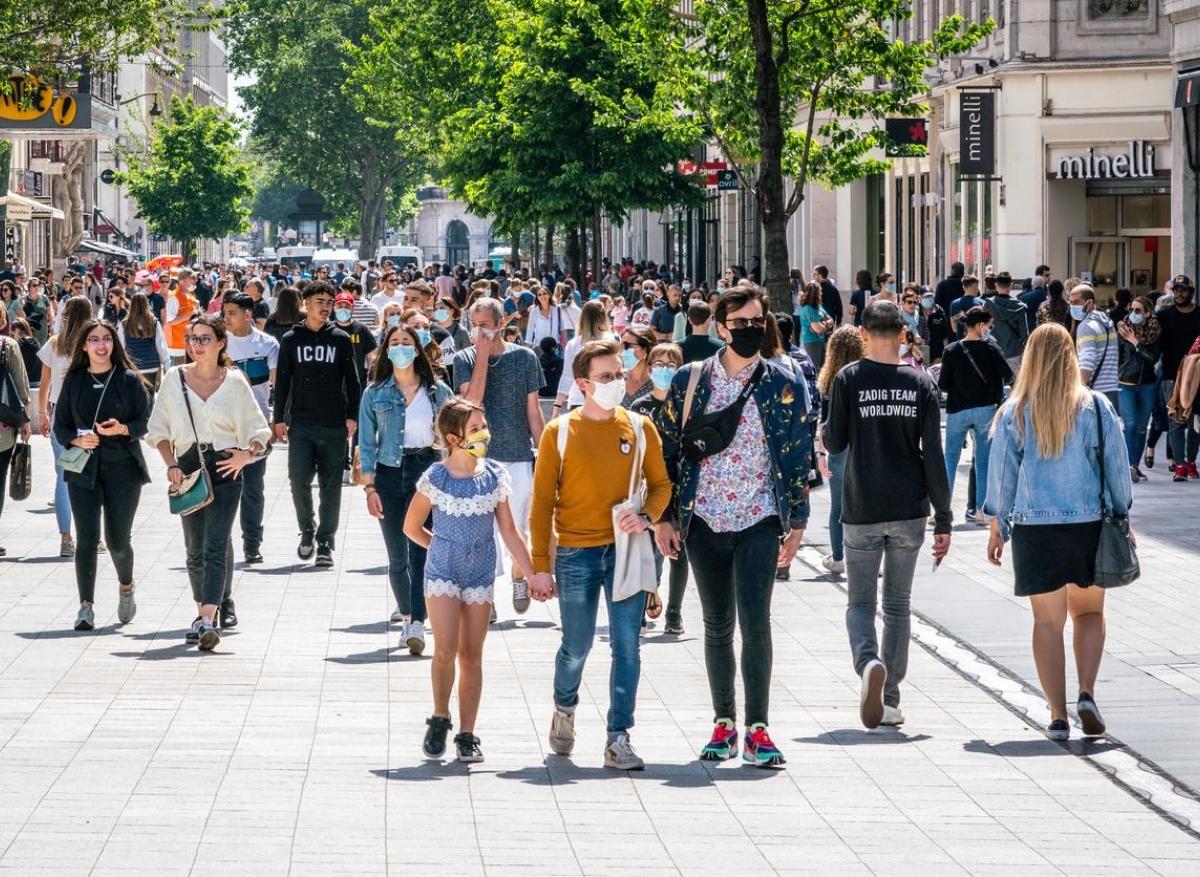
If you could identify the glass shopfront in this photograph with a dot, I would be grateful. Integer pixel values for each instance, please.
(1128, 239)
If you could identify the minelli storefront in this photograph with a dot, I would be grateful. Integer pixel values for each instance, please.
(1081, 173)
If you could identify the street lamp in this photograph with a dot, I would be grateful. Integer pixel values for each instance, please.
(155, 109)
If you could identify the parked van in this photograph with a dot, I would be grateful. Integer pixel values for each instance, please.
(400, 257)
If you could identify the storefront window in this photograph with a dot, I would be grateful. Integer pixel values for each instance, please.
(1102, 215)
(985, 241)
(956, 209)
(1145, 212)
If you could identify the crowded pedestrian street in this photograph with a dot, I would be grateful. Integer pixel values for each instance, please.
(295, 747)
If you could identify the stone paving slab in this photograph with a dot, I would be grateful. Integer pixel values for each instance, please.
(295, 747)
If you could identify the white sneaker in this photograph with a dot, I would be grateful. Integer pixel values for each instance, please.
(126, 606)
(870, 701)
(397, 615)
(619, 754)
(834, 566)
(415, 637)
(562, 731)
(893, 716)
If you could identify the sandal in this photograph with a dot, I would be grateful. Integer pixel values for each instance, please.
(654, 605)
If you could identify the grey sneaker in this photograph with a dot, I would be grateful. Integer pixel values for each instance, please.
(66, 546)
(520, 596)
(414, 637)
(208, 636)
(619, 754)
(86, 619)
(126, 607)
(562, 731)
(397, 615)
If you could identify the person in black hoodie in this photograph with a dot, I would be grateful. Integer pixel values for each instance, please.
(1010, 329)
(316, 412)
(887, 417)
(103, 408)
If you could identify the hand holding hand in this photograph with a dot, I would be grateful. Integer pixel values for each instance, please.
(542, 587)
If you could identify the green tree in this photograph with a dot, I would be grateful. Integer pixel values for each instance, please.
(756, 66)
(194, 181)
(305, 116)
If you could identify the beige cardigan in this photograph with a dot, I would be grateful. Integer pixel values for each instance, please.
(229, 418)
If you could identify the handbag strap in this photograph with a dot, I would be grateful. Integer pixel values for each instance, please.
(974, 365)
(1100, 452)
(100, 402)
(1103, 356)
(188, 402)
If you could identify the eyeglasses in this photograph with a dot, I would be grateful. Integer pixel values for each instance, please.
(200, 340)
(606, 378)
(99, 340)
(744, 323)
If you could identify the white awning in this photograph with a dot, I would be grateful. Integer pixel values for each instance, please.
(39, 210)
(106, 249)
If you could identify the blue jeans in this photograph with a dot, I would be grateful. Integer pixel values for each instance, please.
(62, 499)
(976, 420)
(406, 559)
(581, 574)
(837, 469)
(1135, 405)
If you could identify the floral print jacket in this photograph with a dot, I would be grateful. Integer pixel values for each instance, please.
(789, 442)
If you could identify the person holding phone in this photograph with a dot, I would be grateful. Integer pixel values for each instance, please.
(103, 409)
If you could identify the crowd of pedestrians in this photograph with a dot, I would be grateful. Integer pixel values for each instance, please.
(687, 427)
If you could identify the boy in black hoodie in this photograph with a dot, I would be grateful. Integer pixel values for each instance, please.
(316, 411)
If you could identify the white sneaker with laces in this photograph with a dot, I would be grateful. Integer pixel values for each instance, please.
(562, 731)
(870, 701)
(834, 566)
(415, 637)
(893, 716)
(619, 754)
(397, 615)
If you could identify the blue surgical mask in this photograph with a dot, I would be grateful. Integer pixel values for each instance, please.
(986, 334)
(402, 355)
(1136, 318)
(425, 337)
(662, 375)
(927, 302)
(343, 315)
(440, 314)
(1078, 312)
(628, 358)
(891, 287)
(394, 320)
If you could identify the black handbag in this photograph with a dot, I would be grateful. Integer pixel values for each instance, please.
(711, 433)
(20, 477)
(1116, 558)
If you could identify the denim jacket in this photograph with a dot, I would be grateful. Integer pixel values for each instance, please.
(381, 422)
(789, 441)
(1026, 488)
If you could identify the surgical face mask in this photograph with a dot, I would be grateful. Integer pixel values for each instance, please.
(927, 302)
(476, 443)
(1137, 317)
(402, 355)
(687, 287)
(1078, 312)
(608, 396)
(662, 375)
(986, 334)
(440, 314)
(904, 350)
(891, 286)
(343, 315)
(720, 287)
(393, 320)
(425, 337)
(628, 358)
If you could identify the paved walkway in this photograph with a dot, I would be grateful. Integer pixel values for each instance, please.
(295, 747)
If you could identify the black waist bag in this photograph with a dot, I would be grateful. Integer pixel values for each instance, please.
(711, 433)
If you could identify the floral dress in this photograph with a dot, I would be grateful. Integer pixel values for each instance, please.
(462, 556)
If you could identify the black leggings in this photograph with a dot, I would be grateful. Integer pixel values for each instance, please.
(116, 493)
(5, 457)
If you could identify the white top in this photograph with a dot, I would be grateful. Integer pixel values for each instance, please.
(566, 383)
(418, 422)
(545, 325)
(381, 300)
(61, 306)
(230, 418)
(58, 367)
(255, 355)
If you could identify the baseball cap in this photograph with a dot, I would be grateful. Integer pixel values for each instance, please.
(1182, 280)
(344, 298)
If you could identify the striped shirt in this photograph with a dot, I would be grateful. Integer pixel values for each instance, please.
(366, 313)
(1099, 350)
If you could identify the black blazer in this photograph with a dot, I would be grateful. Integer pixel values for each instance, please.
(126, 400)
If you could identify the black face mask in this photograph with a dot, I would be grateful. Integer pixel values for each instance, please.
(746, 342)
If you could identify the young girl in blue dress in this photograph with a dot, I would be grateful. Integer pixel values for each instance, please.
(468, 495)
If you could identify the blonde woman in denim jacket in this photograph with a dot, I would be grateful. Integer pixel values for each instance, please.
(1043, 493)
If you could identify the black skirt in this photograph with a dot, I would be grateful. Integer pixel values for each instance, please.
(1048, 556)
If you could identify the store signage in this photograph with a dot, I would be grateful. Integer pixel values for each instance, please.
(10, 244)
(1137, 162)
(706, 169)
(17, 212)
(903, 133)
(727, 181)
(977, 134)
(30, 104)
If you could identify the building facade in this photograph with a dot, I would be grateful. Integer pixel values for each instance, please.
(446, 231)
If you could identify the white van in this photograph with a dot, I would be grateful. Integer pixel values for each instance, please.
(328, 258)
(301, 256)
(400, 257)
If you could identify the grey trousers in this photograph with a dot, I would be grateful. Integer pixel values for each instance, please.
(896, 545)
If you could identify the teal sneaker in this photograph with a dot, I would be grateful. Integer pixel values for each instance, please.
(759, 750)
(724, 743)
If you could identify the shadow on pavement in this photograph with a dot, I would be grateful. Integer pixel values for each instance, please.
(170, 653)
(299, 566)
(861, 737)
(1043, 747)
(161, 634)
(512, 624)
(69, 633)
(559, 770)
(379, 656)
(370, 571)
(429, 771)
(371, 627)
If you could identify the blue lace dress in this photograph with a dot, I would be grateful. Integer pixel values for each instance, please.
(462, 556)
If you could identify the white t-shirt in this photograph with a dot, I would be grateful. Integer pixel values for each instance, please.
(256, 355)
(58, 367)
(381, 300)
(418, 421)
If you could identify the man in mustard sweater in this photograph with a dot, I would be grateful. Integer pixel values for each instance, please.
(574, 494)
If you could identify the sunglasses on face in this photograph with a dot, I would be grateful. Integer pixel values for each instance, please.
(744, 323)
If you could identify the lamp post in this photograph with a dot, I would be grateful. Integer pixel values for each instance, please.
(155, 109)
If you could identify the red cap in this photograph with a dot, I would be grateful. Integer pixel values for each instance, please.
(344, 298)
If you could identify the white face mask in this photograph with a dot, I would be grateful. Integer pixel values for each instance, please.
(608, 396)
(904, 350)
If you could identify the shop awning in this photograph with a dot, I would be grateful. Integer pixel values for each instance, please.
(1187, 89)
(34, 209)
(106, 249)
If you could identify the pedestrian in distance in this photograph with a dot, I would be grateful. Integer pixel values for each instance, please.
(887, 418)
(14, 392)
(101, 415)
(1044, 493)
(144, 341)
(815, 323)
(467, 495)
(1137, 389)
(845, 347)
(397, 443)
(206, 416)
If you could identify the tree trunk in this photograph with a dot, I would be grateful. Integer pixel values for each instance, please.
(769, 190)
(548, 250)
(514, 248)
(535, 240)
(371, 211)
(581, 267)
(595, 248)
(574, 252)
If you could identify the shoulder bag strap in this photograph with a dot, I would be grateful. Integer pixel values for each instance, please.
(690, 395)
(100, 401)
(188, 402)
(1100, 364)
(974, 365)
(1100, 455)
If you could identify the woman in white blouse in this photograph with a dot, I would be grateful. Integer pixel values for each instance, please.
(546, 319)
(205, 415)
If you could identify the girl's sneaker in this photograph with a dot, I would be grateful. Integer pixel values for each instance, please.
(1058, 731)
(207, 636)
(435, 738)
(759, 750)
(724, 742)
(86, 619)
(467, 745)
(1089, 715)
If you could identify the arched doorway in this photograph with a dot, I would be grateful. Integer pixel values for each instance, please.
(458, 244)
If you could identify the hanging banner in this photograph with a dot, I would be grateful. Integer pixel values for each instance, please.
(977, 134)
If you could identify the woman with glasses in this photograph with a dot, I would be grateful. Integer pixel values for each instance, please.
(116, 308)
(102, 411)
(206, 415)
(636, 344)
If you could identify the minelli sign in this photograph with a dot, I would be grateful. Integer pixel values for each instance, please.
(1137, 162)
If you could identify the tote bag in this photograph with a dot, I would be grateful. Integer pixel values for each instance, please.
(634, 569)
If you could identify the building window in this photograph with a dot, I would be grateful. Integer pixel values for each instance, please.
(1099, 10)
(458, 243)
